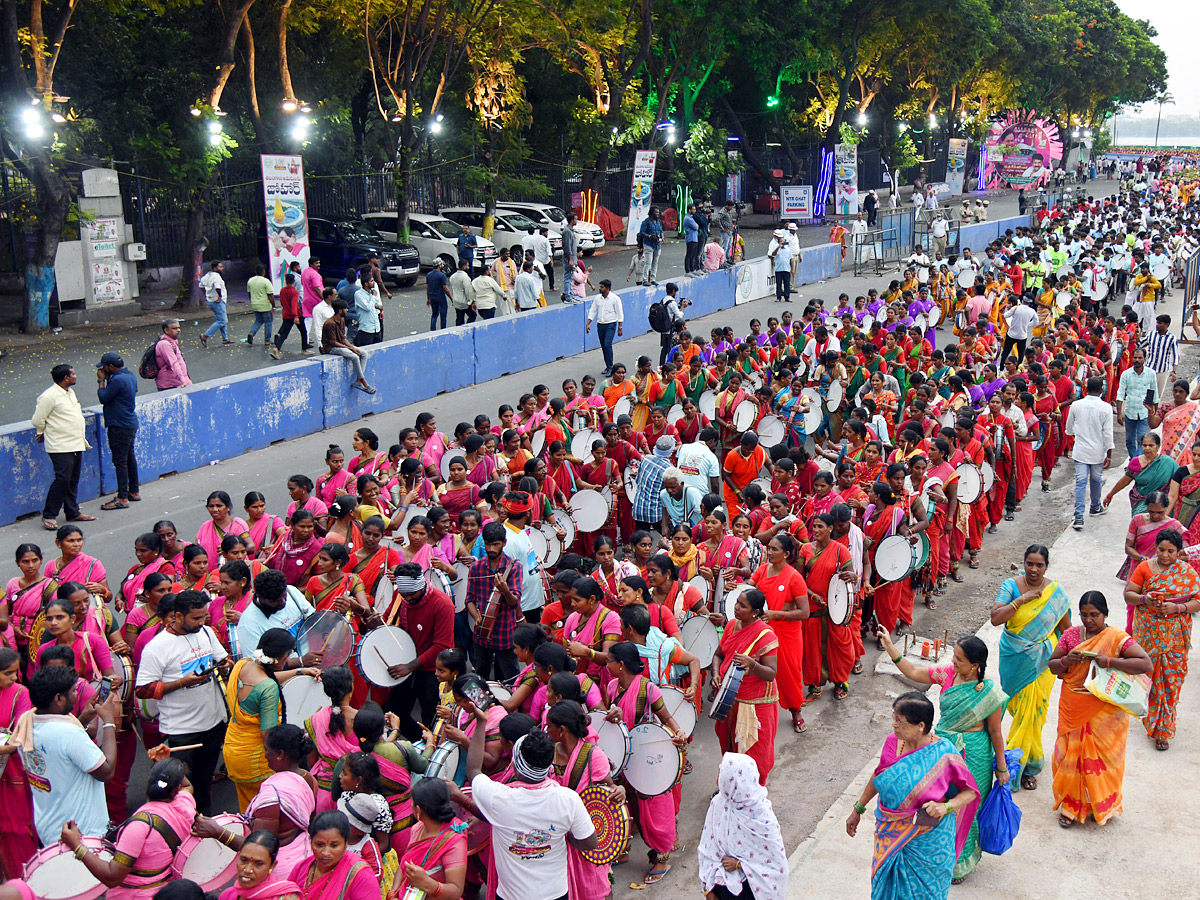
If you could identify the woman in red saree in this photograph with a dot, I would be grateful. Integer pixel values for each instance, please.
(1045, 407)
(264, 528)
(221, 522)
(609, 571)
(693, 422)
(295, 552)
(435, 862)
(722, 554)
(684, 553)
(254, 877)
(602, 472)
(332, 872)
(787, 608)
(633, 699)
(883, 519)
(829, 651)
(337, 481)
(751, 645)
(1025, 451)
(334, 588)
(854, 493)
(942, 475)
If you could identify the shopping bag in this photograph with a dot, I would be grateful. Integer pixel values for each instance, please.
(1130, 692)
(999, 821)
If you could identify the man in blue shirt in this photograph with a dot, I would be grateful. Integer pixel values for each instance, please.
(691, 237)
(651, 238)
(466, 249)
(117, 391)
(781, 254)
(346, 289)
(437, 295)
(276, 605)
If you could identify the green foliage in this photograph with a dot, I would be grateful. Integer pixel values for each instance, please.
(702, 162)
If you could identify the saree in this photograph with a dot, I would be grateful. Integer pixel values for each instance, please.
(350, 879)
(603, 625)
(295, 800)
(395, 781)
(751, 725)
(135, 580)
(435, 853)
(586, 766)
(18, 841)
(245, 760)
(792, 411)
(25, 603)
(913, 860)
(1089, 752)
(210, 536)
(294, 560)
(271, 889)
(727, 554)
(328, 485)
(741, 470)
(1167, 639)
(828, 649)
(330, 748)
(1147, 479)
(263, 532)
(1180, 424)
(964, 706)
(82, 568)
(1144, 535)
(143, 847)
(1026, 643)
(655, 815)
(779, 589)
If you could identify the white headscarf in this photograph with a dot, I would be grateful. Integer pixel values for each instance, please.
(741, 823)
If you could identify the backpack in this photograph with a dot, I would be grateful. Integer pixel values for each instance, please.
(148, 367)
(659, 318)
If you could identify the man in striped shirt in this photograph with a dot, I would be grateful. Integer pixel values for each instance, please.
(1162, 352)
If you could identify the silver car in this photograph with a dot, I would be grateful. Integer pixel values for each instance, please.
(589, 236)
(435, 237)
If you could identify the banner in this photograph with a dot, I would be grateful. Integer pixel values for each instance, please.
(639, 195)
(1022, 149)
(796, 201)
(956, 165)
(287, 214)
(845, 178)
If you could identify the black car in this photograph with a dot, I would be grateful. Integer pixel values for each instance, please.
(348, 243)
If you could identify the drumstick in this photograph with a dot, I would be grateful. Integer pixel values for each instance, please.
(184, 747)
(380, 655)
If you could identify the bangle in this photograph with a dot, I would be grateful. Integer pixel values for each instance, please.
(591, 655)
(225, 838)
(104, 725)
(896, 659)
(80, 852)
(860, 807)
(441, 887)
(949, 809)
(1005, 771)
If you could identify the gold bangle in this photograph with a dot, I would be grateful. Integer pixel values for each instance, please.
(80, 852)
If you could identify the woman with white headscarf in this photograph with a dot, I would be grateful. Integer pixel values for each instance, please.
(741, 849)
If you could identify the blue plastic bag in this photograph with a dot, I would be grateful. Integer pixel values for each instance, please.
(1012, 759)
(999, 821)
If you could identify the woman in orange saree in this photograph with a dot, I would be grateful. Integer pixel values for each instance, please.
(1089, 754)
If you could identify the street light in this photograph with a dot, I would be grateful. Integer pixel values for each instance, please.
(933, 122)
(290, 105)
(214, 127)
(862, 119)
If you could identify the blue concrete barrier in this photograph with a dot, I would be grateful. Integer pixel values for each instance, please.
(820, 263)
(978, 235)
(30, 472)
(528, 339)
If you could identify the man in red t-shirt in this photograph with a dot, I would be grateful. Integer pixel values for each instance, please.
(289, 303)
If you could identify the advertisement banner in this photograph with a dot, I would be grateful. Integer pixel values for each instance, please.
(639, 195)
(796, 201)
(845, 179)
(956, 165)
(1022, 149)
(287, 214)
(108, 281)
(104, 233)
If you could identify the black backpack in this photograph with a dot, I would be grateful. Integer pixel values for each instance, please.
(148, 367)
(659, 318)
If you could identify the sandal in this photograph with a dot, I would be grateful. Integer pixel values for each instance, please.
(814, 694)
(992, 529)
(858, 669)
(1161, 745)
(1045, 487)
(82, 518)
(1065, 822)
(799, 725)
(841, 691)
(930, 603)
(687, 767)
(1028, 782)
(955, 577)
(654, 876)
(973, 563)
(1009, 517)
(115, 504)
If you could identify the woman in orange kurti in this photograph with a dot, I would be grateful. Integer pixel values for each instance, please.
(787, 608)
(828, 649)
(616, 387)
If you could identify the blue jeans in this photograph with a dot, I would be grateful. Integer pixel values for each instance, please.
(1135, 430)
(654, 252)
(263, 318)
(606, 332)
(437, 308)
(220, 320)
(1086, 473)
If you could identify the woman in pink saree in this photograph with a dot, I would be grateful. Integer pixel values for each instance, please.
(919, 832)
(332, 872)
(436, 859)
(25, 595)
(1180, 420)
(294, 553)
(254, 877)
(332, 730)
(222, 521)
(264, 528)
(148, 549)
(75, 565)
(591, 630)
(17, 837)
(1141, 540)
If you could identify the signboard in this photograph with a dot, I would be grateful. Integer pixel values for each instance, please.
(795, 201)
(640, 193)
(104, 234)
(108, 281)
(1022, 150)
(956, 165)
(755, 279)
(845, 179)
(287, 214)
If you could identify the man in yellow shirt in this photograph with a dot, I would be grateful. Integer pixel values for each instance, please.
(60, 426)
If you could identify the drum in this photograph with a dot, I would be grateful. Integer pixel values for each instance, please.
(581, 444)
(699, 638)
(708, 404)
(919, 321)
(387, 645)
(207, 861)
(966, 279)
(329, 634)
(833, 400)
(590, 510)
(1064, 270)
(655, 763)
(765, 484)
(444, 762)
(988, 474)
(1062, 299)
(868, 322)
(743, 415)
(704, 586)
(444, 465)
(815, 414)
(946, 419)
(413, 511)
(385, 592)
(462, 572)
(771, 431)
(934, 316)
(623, 407)
(55, 874)
(674, 414)
(731, 597)
(894, 558)
(538, 540)
(1162, 272)
(499, 691)
(436, 578)
(970, 482)
(123, 666)
(554, 544)
(754, 379)
(612, 738)
(726, 694)
(570, 528)
(841, 601)
(303, 696)
(611, 821)
(538, 443)
(680, 708)
(146, 709)
(922, 552)
(630, 479)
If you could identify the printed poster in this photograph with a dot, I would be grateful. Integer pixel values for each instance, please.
(845, 179)
(108, 281)
(640, 193)
(104, 234)
(287, 214)
(956, 165)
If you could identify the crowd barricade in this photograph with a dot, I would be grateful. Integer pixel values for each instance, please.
(184, 429)
(977, 236)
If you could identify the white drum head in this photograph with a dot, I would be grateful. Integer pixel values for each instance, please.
(934, 316)
(540, 545)
(840, 601)
(631, 481)
(381, 647)
(207, 861)
(815, 414)
(700, 638)
(612, 738)
(743, 415)
(538, 443)
(55, 874)
(569, 526)
(708, 405)
(413, 511)
(703, 585)
(966, 278)
(581, 444)
(329, 634)
(554, 545)
(678, 707)
(384, 592)
(674, 414)
(970, 482)
(655, 763)
(731, 597)
(459, 585)
(303, 696)
(590, 510)
(623, 407)
(771, 431)
(894, 558)
(834, 399)
(499, 691)
(988, 474)
(868, 322)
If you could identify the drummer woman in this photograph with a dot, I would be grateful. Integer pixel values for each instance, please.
(579, 764)
(145, 845)
(458, 494)
(550, 660)
(234, 593)
(526, 639)
(332, 587)
(608, 574)
(632, 697)
(93, 658)
(435, 863)
(787, 608)
(255, 877)
(681, 598)
(722, 553)
(25, 596)
(462, 724)
(370, 562)
(828, 648)
(751, 645)
(591, 629)
(885, 519)
(397, 760)
(148, 549)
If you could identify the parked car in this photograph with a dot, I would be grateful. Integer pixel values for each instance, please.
(510, 227)
(589, 236)
(345, 243)
(435, 237)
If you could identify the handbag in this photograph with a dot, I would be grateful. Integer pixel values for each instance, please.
(999, 820)
(1129, 692)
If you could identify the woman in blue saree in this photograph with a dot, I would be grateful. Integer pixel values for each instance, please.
(1147, 473)
(927, 802)
(1034, 612)
(790, 405)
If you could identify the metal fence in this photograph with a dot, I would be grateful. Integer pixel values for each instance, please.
(1191, 288)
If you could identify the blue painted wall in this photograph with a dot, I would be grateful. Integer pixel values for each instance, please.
(979, 235)
(220, 419)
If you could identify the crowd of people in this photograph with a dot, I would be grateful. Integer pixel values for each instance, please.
(473, 663)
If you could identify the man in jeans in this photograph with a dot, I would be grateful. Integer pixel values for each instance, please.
(216, 296)
(651, 234)
(262, 304)
(1090, 422)
(117, 392)
(606, 310)
(691, 238)
(570, 248)
(724, 221)
(1137, 394)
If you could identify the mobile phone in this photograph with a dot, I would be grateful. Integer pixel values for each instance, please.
(1150, 396)
(106, 686)
(476, 690)
(1088, 654)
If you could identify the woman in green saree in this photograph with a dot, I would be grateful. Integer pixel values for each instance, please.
(1147, 473)
(971, 711)
(1185, 497)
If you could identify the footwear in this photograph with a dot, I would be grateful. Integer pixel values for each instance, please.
(49, 525)
(1161, 745)
(655, 875)
(115, 504)
(227, 341)
(136, 498)
(82, 518)
(992, 529)
(203, 339)
(1098, 511)
(249, 341)
(308, 352)
(275, 355)
(930, 603)
(1078, 526)
(1045, 487)
(858, 667)
(799, 725)
(1065, 822)
(841, 691)
(1028, 782)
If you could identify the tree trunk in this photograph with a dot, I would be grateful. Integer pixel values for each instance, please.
(251, 85)
(489, 197)
(406, 156)
(196, 243)
(53, 204)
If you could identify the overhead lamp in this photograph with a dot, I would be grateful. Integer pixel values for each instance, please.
(435, 126)
(300, 132)
(862, 118)
(58, 118)
(933, 121)
(902, 127)
(214, 127)
(34, 131)
(29, 116)
(305, 108)
(290, 105)
(220, 112)
(397, 116)
(194, 112)
(215, 139)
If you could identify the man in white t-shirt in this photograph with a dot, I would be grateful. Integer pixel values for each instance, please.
(533, 818)
(216, 296)
(698, 462)
(66, 769)
(177, 671)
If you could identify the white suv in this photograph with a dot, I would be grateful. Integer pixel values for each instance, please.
(589, 236)
(435, 237)
(510, 227)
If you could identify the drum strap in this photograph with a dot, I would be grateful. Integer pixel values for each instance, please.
(165, 831)
(582, 761)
